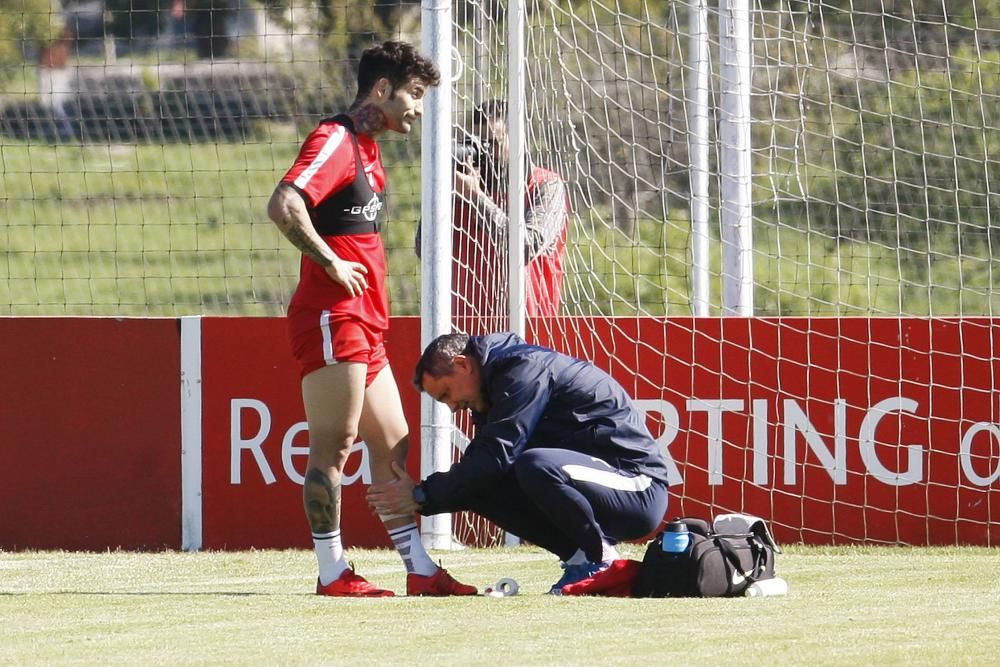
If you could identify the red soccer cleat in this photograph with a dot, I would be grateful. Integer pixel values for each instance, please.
(439, 584)
(351, 585)
(614, 581)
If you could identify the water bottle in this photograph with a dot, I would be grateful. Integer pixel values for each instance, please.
(767, 588)
(676, 537)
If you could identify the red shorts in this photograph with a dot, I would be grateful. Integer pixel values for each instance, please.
(317, 342)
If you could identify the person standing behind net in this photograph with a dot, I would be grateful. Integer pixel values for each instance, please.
(330, 206)
(479, 243)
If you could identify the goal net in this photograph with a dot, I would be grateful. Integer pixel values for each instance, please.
(874, 133)
(140, 141)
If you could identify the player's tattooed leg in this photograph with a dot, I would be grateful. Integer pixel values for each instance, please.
(322, 501)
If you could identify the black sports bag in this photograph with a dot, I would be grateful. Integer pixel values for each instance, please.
(714, 564)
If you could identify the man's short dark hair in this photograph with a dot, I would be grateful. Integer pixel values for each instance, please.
(438, 356)
(397, 61)
(489, 111)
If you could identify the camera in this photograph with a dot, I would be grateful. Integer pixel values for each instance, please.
(463, 150)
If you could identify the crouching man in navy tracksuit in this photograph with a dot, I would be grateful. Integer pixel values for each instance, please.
(561, 457)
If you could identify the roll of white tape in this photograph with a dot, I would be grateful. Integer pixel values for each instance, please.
(507, 586)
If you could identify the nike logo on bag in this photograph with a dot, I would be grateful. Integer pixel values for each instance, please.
(738, 578)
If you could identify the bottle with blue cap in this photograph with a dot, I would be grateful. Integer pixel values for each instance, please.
(675, 537)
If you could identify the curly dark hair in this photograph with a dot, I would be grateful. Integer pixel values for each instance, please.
(397, 61)
(437, 358)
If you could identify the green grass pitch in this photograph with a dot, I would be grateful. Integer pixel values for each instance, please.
(846, 606)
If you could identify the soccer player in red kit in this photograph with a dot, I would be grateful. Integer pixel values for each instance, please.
(330, 206)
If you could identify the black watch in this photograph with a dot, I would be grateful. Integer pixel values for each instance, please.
(419, 495)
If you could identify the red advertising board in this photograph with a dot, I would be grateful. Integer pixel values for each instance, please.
(838, 430)
(89, 433)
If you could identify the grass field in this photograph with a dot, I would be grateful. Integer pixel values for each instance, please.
(846, 606)
(181, 229)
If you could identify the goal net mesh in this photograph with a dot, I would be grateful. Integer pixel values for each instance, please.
(141, 140)
(874, 157)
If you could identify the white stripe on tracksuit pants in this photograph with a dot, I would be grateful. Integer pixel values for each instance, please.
(564, 500)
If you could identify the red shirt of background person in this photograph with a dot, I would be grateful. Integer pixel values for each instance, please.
(479, 243)
(329, 206)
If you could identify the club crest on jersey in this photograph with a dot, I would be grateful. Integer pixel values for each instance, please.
(369, 210)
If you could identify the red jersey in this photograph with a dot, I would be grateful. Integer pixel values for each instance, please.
(545, 272)
(479, 269)
(340, 175)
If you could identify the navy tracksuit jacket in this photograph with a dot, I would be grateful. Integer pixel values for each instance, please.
(561, 449)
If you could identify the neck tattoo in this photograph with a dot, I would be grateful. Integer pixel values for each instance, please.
(368, 119)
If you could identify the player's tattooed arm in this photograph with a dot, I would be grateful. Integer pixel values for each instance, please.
(288, 211)
(322, 501)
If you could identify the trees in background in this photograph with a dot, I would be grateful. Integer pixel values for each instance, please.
(27, 27)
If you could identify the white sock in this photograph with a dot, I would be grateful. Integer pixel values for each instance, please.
(608, 553)
(406, 539)
(579, 558)
(330, 555)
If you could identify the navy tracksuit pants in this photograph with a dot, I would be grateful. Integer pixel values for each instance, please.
(562, 500)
